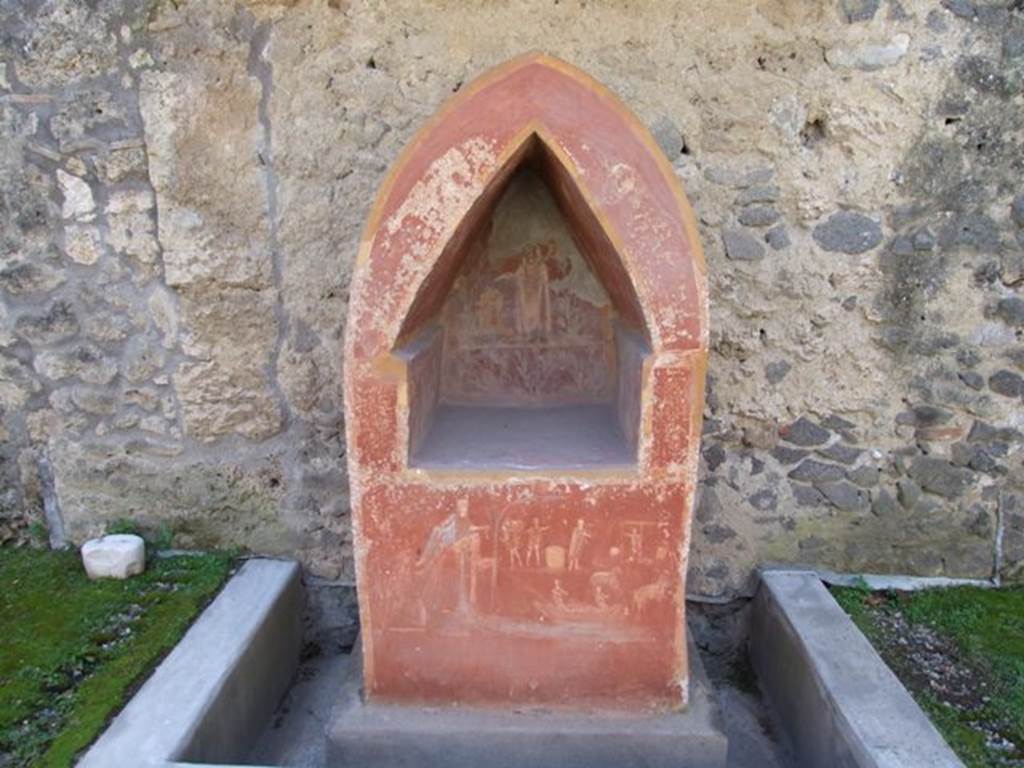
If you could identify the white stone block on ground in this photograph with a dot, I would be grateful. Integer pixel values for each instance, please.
(117, 556)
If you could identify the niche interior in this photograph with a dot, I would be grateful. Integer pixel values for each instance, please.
(526, 347)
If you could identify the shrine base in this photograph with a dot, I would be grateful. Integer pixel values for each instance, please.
(391, 735)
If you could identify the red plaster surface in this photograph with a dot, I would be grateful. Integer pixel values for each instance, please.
(554, 585)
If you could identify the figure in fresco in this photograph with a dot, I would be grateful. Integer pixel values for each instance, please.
(664, 550)
(512, 538)
(654, 592)
(490, 308)
(558, 595)
(533, 299)
(606, 583)
(455, 534)
(635, 536)
(534, 540)
(564, 610)
(578, 539)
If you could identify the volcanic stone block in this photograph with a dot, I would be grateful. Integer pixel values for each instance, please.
(1011, 311)
(848, 232)
(939, 476)
(804, 432)
(813, 471)
(740, 246)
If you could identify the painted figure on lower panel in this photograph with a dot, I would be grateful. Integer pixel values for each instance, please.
(507, 569)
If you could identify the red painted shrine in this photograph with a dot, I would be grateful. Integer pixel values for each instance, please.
(524, 372)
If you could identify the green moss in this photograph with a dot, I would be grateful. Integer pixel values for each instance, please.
(72, 649)
(986, 627)
(966, 740)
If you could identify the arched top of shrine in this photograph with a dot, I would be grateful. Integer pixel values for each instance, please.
(613, 184)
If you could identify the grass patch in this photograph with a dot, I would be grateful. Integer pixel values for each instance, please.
(71, 649)
(960, 652)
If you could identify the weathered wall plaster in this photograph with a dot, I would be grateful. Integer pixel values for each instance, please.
(184, 184)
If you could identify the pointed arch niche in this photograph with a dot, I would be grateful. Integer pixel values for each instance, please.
(524, 369)
(530, 264)
(525, 345)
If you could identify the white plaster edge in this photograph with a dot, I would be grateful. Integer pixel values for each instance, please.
(896, 581)
(876, 581)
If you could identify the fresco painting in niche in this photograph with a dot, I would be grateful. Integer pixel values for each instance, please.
(527, 323)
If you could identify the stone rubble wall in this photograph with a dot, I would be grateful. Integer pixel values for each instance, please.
(183, 184)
